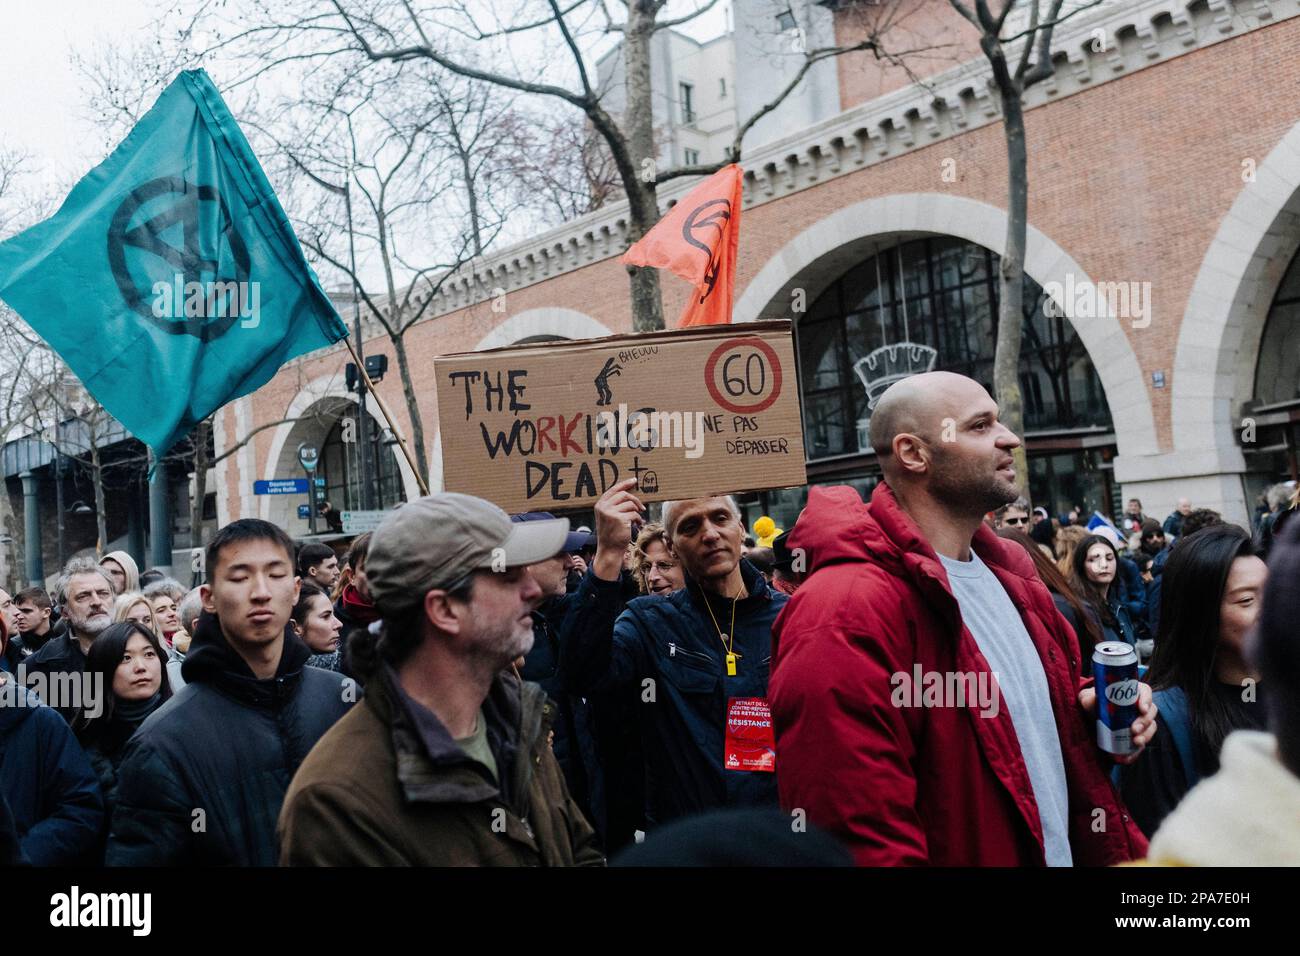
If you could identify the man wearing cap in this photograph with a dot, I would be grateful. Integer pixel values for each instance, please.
(446, 762)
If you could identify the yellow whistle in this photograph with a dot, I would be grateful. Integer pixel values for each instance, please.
(731, 665)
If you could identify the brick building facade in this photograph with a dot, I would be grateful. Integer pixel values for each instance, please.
(1165, 157)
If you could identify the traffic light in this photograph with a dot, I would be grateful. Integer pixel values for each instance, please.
(376, 367)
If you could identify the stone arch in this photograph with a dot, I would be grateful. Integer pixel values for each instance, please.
(1218, 342)
(817, 256)
(313, 412)
(547, 320)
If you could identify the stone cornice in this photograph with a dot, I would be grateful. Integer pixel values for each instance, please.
(1138, 34)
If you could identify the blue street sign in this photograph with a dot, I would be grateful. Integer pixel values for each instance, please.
(304, 511)
(281, 486)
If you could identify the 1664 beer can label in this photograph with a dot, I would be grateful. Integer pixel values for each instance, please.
(1114, 667)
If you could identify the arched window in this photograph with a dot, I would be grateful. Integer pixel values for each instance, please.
(1271, 443)
(341, 469)
(1277, 375)
(938, 293)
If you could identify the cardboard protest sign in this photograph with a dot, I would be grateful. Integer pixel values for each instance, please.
(690, 412)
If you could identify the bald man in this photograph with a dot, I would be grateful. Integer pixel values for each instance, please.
(1173, 525)
(925, 690)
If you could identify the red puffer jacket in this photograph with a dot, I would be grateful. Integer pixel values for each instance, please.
(916, 785)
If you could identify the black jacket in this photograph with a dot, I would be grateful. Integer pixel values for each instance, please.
(11, 851)
(202, 780)
(670, 650)
(104, 742)
(53, 797)
(58, 655)
(570, 720)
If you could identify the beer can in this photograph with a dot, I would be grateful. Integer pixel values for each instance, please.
(1115, 669)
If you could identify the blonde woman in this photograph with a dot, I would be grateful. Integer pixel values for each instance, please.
(1066, 540)
(656, 570)
(135, 607)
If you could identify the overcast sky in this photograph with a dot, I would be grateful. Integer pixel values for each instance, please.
(42, 96)
(41, 100)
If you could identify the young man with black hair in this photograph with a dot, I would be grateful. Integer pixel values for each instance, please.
(447, 760)
(203, 778)
(37, 619)
(319, 564)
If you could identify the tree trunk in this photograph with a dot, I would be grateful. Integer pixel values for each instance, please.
(97, 478)
(201, 432)
(412, 406)
(471, 192)
(1006, 358)
(639, 180)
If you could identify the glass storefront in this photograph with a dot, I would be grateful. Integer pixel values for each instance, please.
(1271, 446)
(341, 468)
(932, 303)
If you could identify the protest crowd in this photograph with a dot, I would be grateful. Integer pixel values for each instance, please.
(466, 687)
(941, 672)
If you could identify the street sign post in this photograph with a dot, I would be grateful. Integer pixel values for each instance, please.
(359, 522)
(309, 458)
(281, 486)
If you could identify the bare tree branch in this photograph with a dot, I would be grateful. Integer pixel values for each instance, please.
(687, 18)
(1054, 19)
(423, 51)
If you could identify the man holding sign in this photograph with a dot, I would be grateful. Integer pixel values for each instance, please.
(700, 656)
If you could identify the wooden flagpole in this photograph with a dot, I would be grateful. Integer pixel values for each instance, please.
(388, 416)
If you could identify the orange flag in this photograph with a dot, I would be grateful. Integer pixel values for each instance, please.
(697, 240)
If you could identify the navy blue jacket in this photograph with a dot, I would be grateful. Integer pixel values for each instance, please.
(11, 851)
(52, 792)
(58, 655)
(574, 745)
(226, 744)
(1153, 589)
(669, 648)
(1133, 592)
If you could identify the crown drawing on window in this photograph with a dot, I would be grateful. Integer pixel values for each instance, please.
(892, 363)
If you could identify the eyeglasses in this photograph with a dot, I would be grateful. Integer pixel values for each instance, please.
(1015, 521)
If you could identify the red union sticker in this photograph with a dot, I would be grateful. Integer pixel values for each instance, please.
(751, 744)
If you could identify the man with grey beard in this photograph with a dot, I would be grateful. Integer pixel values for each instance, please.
(86, 593)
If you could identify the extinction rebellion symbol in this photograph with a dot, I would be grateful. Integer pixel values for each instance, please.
(178, 287)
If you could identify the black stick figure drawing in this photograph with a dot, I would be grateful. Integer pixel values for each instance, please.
(603, 395)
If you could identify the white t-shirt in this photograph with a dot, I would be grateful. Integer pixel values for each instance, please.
(1000, 633)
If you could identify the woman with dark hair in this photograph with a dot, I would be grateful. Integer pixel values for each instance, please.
(1093, 567)
(352, 604)
(1205, 689)
(128, 659)
(1087, 628)
(313, 620)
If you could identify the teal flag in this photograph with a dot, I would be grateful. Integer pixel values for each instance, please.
(170, 281)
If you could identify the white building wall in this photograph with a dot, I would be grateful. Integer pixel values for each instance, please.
(767, 59)
(674, 59)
